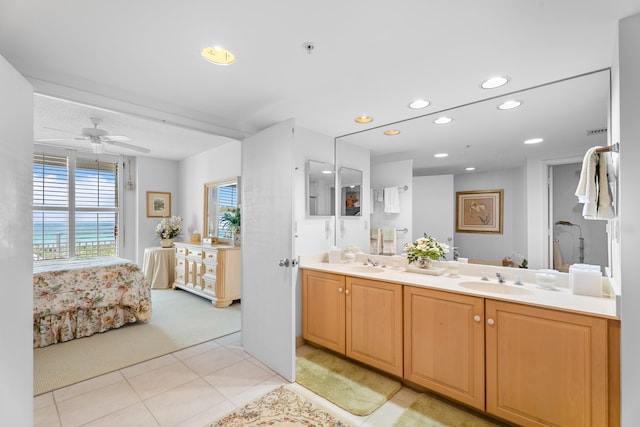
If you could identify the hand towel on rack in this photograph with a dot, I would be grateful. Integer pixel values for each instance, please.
(605, 207)
(587, 190)
(376, 241)
(389, 241)
(391, 200)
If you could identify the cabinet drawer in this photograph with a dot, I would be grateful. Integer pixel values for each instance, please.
(181, 251)
(196, 253)
(210, 254)
(179, 276)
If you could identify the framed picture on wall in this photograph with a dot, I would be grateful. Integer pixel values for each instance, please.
(158, 204)
(479, 211)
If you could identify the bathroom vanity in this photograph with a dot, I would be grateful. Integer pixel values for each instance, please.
(530, 356)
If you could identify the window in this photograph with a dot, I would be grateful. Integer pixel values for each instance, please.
(227, 198)
(75, 206)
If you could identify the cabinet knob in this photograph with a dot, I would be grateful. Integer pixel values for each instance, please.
(476, 318)
(490, 321)
(346, 292)
(340, 290)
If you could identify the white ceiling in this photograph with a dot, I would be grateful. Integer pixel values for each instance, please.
(143, 58)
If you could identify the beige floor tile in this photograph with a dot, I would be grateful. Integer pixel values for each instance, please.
(96, 404)
(237, 378)
(157, 381)
(209, 415)
(46, 416)
(387, 414)
(83, 387)
(261, 389)
(235, 338)
(406, 395)
(211, 361)
(43, 400)
(134, 416)
(184, 402)
(196, 349)
(149, 365)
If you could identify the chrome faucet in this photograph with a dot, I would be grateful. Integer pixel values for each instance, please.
(500, 278)
(371, 262)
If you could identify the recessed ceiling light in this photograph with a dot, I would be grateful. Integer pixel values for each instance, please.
(533, 141)
(441, 155)
(470, 168)
(218, 55)
(495, 82)
(419, 103)
(326, 171)
(364, 119)
(391, 132)
(508, 105)
(443, 120)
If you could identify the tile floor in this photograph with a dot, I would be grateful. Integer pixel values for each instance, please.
(190, 387)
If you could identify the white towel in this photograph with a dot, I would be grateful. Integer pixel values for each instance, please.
(376, 241)
(587, 190)
(593, 187)
(391, 200)
(389, 241)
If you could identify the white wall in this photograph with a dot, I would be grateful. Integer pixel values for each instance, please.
(434, 209)
(16, 248)
(153, 175)
(514, 222)
(218, 164)
(629, 175)
(394, 174)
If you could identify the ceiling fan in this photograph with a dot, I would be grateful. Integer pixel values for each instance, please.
(98, 137)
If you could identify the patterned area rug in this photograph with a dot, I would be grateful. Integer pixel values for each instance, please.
(281, 407)
(430, 411)
(350, 386)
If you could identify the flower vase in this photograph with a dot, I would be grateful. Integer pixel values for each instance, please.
(166, 243)
(425, 262)
(236, 237)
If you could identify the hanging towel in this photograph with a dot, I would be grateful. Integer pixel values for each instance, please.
(376, 241)
(389, 241)
(593, 186)
(391, 200)
(587, 190)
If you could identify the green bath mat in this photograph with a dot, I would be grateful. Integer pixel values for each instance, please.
(430, 411)
(352, 387)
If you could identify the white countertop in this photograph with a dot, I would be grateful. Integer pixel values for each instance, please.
(560, 298)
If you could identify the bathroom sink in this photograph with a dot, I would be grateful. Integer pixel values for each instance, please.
(365, 269)
(496, 288)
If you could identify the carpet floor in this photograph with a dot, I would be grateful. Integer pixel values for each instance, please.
(282, 407)
(179, 320)
(355, 389)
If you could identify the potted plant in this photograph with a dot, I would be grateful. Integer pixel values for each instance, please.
(424, 250)
(167, 229)
(230, 220)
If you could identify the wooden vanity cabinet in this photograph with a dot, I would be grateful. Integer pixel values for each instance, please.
(444, 343)
(359, 318)
(546, 367)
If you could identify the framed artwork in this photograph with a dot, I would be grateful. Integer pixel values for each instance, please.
(479, 211)
(158, 204)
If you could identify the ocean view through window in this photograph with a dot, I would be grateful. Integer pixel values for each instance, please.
(75, 205)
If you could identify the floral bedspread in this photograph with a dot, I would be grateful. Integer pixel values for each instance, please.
(79, 297)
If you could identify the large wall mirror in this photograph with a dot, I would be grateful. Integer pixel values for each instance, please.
(570, 116)
(219, 197)
(320, 189)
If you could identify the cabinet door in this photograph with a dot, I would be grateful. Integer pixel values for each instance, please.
(323, 309)
(444, 343)
(374, 323)
(546, 367)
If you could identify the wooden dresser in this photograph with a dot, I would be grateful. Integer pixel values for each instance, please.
(213, 272)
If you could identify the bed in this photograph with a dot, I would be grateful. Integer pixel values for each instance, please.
(74, 298)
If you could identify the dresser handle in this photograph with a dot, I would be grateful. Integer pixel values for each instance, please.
(476, 318)
(491, 322)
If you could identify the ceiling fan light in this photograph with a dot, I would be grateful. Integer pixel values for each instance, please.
(98, 148)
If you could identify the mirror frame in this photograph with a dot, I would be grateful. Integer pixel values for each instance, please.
(209, 185)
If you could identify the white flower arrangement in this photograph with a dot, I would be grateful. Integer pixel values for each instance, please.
(169, 228)
(425, 247)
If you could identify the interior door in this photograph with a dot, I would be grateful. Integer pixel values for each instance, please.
(268, 285)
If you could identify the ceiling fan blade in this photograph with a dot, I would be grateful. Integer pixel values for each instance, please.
(53, 139)
(118, 138)
(129, 146)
